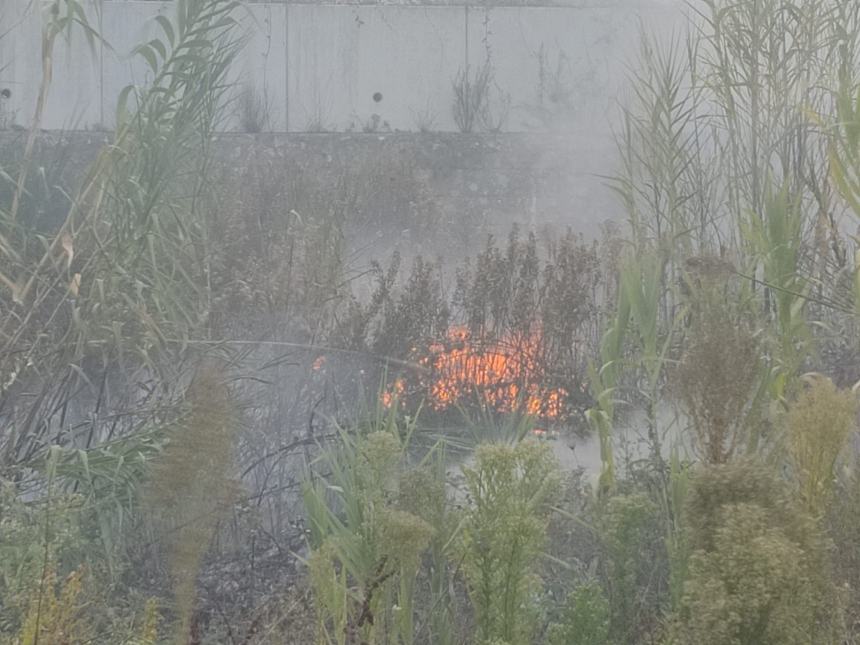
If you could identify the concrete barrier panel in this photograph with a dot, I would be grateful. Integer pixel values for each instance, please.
(20, 61)
(260, 73)
(74, 101)
(377, 68)
(557, 68)
(126, 25)
(348, 64)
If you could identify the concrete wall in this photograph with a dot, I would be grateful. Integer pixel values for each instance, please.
(19, 50)
(318, 66)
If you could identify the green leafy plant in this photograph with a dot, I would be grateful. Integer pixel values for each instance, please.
(504, 531)
(638, 344)
(775, 239)
(757, 571)
(843, 526)
(118, 280)
(673, 501)
(366, 545)
(422, 491)
(604, 380)
(98, 296)
(56, 613)
(628, 526)
(818, 424)
(584, 619)
(36, 541)
(844, 155)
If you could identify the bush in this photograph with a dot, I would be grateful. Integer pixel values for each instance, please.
(631, 542)
(368, 537)
(504, 531)
(818, 424)
(584, 619)
(757, 573)
(717, 377)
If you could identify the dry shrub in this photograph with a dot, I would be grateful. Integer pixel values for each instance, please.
(274, 268)
(519, 287)
(535, 304)
(472, 97)
(547, 295)
(191, 486)
(716, 377)
(818, 423)
(416, 315)
(398, 322)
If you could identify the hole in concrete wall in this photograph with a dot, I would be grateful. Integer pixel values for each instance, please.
(377, 97)
(5, 93)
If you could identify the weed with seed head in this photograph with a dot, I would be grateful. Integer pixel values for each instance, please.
(504, 531)
(818, 424)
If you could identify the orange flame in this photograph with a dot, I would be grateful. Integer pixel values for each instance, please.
(506, 375)
(390, 395)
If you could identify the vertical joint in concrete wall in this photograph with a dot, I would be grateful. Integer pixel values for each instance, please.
(101, 65)
(466, 39)
(287, 67)
(5, 64)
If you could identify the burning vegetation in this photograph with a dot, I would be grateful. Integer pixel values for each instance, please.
(505, 375)
(524, 315)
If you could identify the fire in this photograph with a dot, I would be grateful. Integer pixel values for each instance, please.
(390, 395)
(506, 375)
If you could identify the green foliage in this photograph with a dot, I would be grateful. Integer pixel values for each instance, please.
(637, 342)
(505, 527)
(109, 286)
(775, 239)
(148, 633)
(722, 177)
(31, 548)
(422, 491)
(584, 618)
(657, 139)
(717, 159)
(843, 524)
(628, 528)
(604, 381)
(727, 192)
(370, 519)
(758, 572)
(844, 155)
(818, 424)
(120, 279)
(55, 613)
(674, 500)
